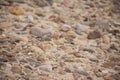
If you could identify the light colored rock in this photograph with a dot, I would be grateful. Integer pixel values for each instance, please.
(106, 39)
(6, 24)
(16, 69)
(65, 28)
(104, 46)
(30, 18)
(92, 57)
(44, 34)
(80, 28)
(37, 49)
(46, 67)
(16, 10)
(16, 37)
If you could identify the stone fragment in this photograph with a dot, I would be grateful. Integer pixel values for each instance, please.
(106, 39)
(37, 49)
(30, 18)
(57, 35)
(16, 10)
(19, 1)
(43, 3)
(71, 32)
(44, 34)
(46, 67)
(5, 24)
(3, 2)
(15, 37)
(104, 46)
(39, 12)
(3, 60)
(80, 28)
(94, 35)
(92, 57)
(65, 28)
(16, 69)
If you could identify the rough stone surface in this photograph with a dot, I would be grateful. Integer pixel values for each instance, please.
(59, 40)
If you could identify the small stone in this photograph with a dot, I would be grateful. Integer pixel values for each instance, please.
(15, 37)
(19, 1)
(41, 58)
(92, 57)
(5, 24)
(65, 28)
(30, 18)
(57, 35)
(39, 12)
(53, 17)
(16, 69)
(37, 49)
(109, 78)
(24, 39)
(3, 60)
(101, 73)
(44, 34)
(3, 2)
(94, 35)
(106, 39)
(43, 3)
(11, 57)
(77, 54)
(16, 10)
(46, 67)
(105, 46)
(71, 33)
(80, 28)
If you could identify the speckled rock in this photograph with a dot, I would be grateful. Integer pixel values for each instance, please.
(94, 35)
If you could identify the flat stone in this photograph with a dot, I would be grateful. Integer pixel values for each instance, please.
(46, 67)
(80, 28)
(16, 10)
(16, 69)
(106, 39)
(6, 24)
(94, 35)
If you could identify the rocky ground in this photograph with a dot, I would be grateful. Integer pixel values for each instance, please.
(59, 40)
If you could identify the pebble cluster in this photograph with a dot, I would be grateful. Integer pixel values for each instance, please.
(59, 40)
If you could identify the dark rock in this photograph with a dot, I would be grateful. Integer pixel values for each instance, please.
(3, 60)
(94, 35)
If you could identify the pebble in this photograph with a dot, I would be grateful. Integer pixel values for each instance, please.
(106, 39)
(94, 35)
(2, 2)
(37, 49)
(16, 10)
(77, 54)
(44, 34)
(57, 35)
(15, 37)
(65, 28)
(104, 46)
(3, 60)
(46, 67)
(16, 69)
(80, 28)
(109, 78)
(39, 12)
(43, 3)
(30, 18)
(92, 57)
(19, 1)
(6, 24)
